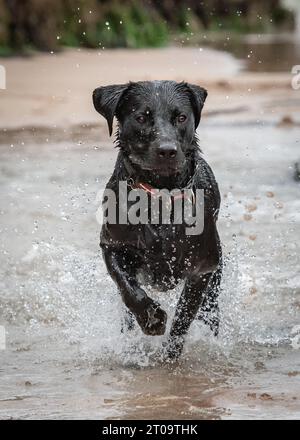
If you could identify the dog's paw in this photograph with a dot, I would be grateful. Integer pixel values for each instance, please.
(153, 319)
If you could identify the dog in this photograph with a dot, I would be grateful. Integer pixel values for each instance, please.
(158, 149)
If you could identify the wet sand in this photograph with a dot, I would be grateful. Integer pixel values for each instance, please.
(54, 91)
(65, 356)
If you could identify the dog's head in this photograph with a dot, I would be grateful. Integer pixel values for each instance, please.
(157, 121)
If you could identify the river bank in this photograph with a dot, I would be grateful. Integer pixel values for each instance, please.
(55, 90)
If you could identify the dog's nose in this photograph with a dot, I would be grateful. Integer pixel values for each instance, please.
(167, 151)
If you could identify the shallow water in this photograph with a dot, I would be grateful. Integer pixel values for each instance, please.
(65, 356)
(261, 52)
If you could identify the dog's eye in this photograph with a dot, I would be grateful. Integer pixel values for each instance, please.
(141, 119)
(181, 118)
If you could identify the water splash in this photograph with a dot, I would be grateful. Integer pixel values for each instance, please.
(70, 289)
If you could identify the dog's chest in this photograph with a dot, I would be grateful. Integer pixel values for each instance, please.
(169, 256)
(168, 247)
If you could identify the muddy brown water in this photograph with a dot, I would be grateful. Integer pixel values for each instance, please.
(65, 356)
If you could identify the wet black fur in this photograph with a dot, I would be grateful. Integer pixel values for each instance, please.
(148, 249)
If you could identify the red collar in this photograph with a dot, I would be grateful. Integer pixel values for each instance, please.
(154, 192)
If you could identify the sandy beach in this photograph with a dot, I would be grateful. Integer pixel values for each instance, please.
(55, 90)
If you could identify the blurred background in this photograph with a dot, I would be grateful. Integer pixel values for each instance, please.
(65, 356)
(45, 25)
(65, 47)
(49, 25)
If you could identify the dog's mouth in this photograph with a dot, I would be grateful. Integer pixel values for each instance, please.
(167, 171)
(162, 169)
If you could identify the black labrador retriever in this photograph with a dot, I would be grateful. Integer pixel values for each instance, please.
(158, 149)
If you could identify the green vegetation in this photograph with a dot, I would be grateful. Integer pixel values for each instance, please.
(50, 24)
(6, 51)
(131, 26)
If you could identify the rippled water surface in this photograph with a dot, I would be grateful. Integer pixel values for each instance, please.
(65, 356)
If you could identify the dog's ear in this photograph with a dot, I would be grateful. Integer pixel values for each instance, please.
(106, 100)
(198, 96)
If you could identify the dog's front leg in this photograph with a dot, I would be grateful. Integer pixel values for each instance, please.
(151, 318)
(187, 308)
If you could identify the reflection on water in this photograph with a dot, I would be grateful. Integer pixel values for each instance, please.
(214, 386)
(262, 53)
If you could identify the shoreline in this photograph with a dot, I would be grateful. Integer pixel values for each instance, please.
(55, 90)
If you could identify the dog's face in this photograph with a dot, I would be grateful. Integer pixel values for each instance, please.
(157, 121)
